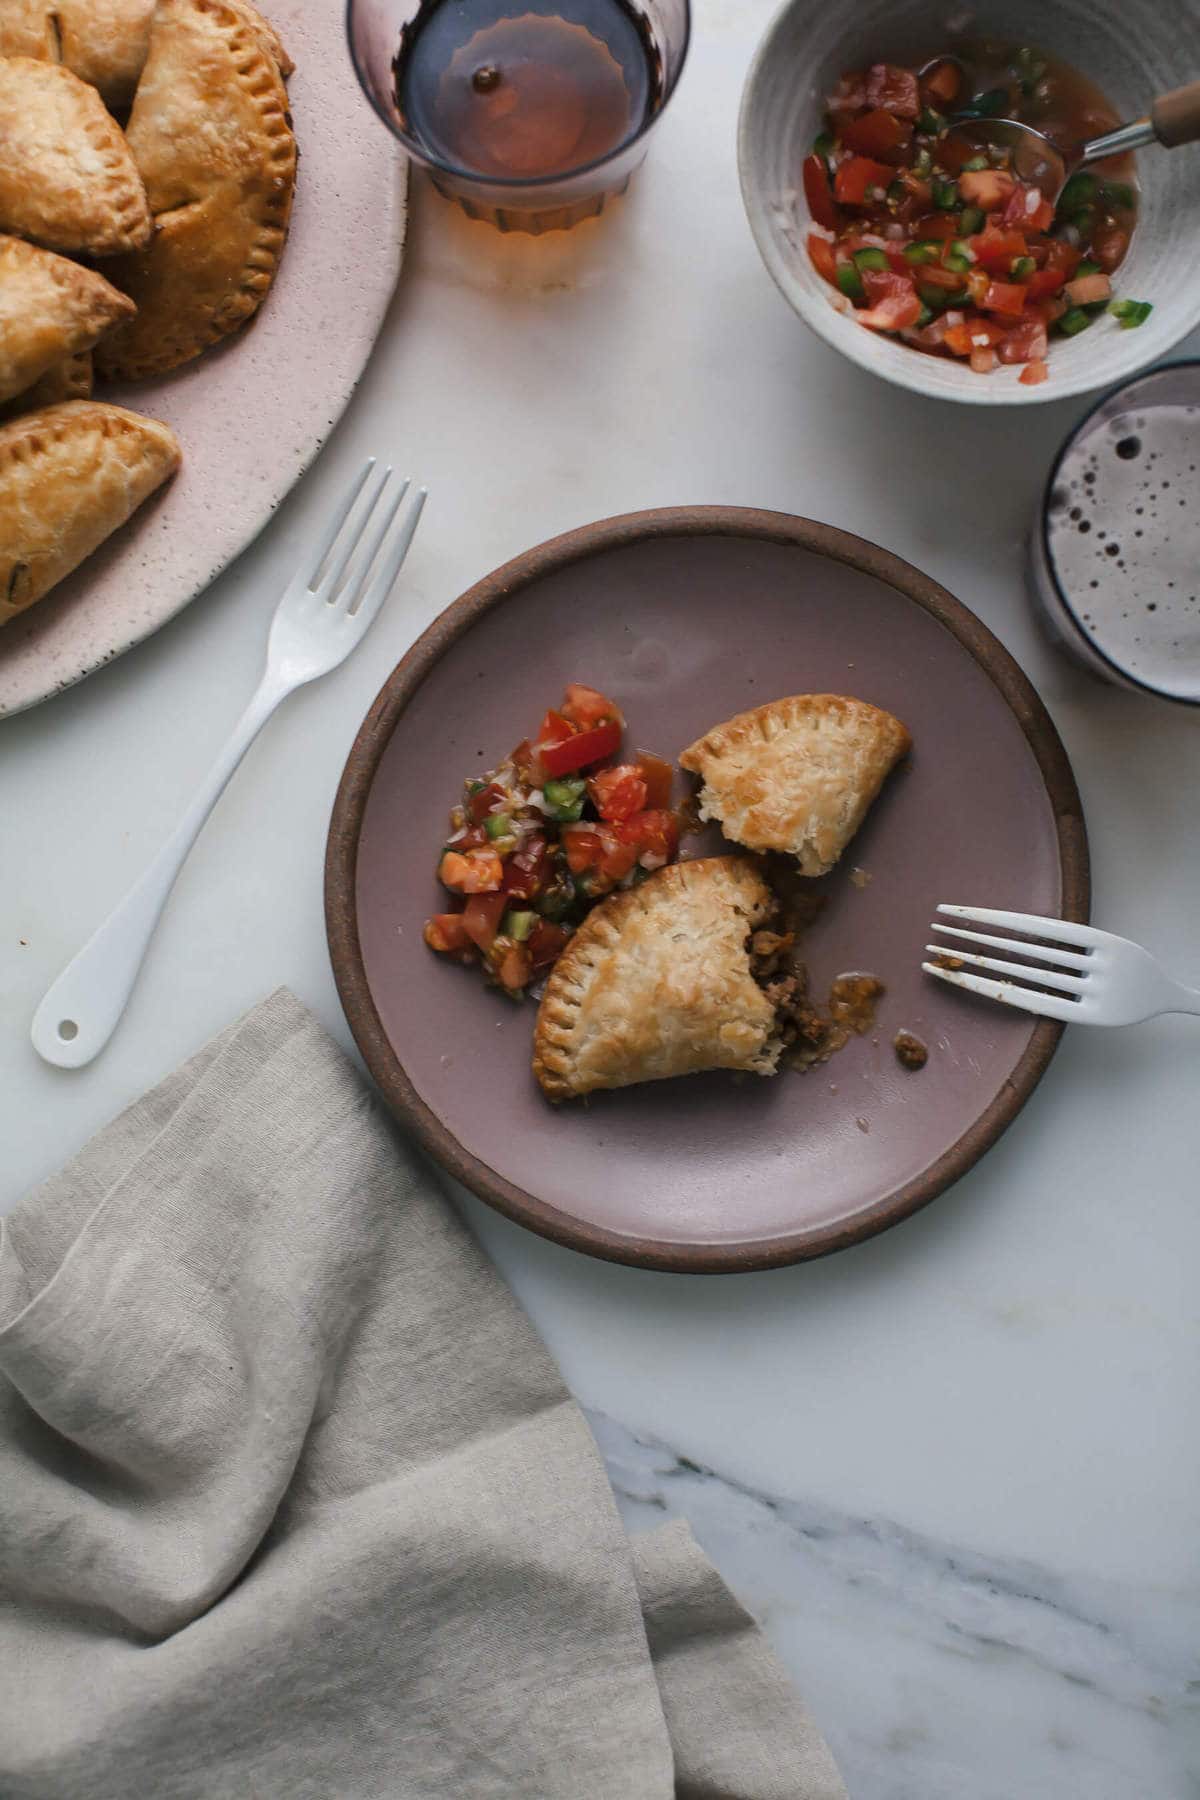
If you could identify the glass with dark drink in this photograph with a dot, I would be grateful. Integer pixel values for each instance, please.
(530, 113)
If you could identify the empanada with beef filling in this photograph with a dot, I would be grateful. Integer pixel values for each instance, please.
(797, 775)
(69, 477)
(102, 41)
(658, 981)
(67, 179)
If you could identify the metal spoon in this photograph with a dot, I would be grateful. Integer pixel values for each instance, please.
(1173, 119)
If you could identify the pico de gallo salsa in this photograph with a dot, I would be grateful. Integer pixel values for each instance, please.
(538, 841)
(939, 242)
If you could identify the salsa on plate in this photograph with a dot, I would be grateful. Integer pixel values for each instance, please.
(538, 841)
(941, 244)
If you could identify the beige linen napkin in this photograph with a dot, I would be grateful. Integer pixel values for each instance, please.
(293, 1502)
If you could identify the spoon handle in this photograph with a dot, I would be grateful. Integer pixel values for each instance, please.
(1125, 137)
(1176, 116)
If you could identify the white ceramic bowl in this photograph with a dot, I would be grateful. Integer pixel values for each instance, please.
(1131, 49)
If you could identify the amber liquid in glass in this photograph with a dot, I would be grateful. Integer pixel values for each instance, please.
(517, 92)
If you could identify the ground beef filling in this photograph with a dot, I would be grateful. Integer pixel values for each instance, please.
(810, 1033)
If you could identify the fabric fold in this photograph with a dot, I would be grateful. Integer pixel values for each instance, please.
(294, 1502)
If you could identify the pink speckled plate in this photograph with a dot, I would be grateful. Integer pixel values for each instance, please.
(252, 414)
(687, 617)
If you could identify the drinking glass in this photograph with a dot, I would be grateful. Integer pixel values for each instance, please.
(379, 30)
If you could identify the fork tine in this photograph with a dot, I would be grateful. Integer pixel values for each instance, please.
(353, 538)
(338, 520)
(1062, 959)
(1018, 972)
(1024, 998)
(1033, 924)
(355, 588)
(385, 580)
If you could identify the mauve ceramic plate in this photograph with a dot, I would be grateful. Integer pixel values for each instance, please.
(686, 617)
(251, 414)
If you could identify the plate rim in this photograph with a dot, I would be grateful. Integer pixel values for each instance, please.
(345, 829)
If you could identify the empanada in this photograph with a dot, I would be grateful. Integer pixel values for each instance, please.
(210, 133)
(657, 981)
(50, 307)
(69, 477)
(67, 179)
(102, 41)
(797, 775)
(70, 379)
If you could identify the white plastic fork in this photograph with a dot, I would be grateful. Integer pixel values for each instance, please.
(327, 609)
(1098, 979)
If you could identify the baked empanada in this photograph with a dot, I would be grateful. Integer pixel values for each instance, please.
(67, 179)
(102, 41)
(657, 981)
(69, 477)
(50, 307)
(210, 133)
(70, 379)
(797, 775)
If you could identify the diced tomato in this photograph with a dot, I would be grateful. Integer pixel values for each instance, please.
(618, 858)
(487, 800)
(894, 302)
(585, 707)
(1086, 290)
(654, 835)
(1027, 210)
(473, 837)
(938, 225)
(619, 792)
(1044, 282)
(658, 776)
(824, 262)
(879, 134)
(1026, 342)
(478, 872)
(584, 847)
(546, 942)
(554, 729)
(1110, 241)
(1033, 372)
(1006, 297)
(893, 89)
(856, 177)
(579, 752)
(447, 933)
(481, 918)
(850, 95)
(935, 276)
(939, 87)
(1048, 310)
(514, 968)
(986, 187)
(526, 764)
(527, 871)
(995, 251)
(818, 193)
(1063, 256)
(983, 359)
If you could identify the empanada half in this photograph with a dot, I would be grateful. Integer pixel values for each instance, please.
(210, 133)
(69, 476)
(797, 775)
(50, 308)
(101, 41)
(657, 981)
(67, 178)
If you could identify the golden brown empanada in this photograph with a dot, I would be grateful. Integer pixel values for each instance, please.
(69, 477)
(67, 179)
(657, 981)
(210, 133)
(49, 308)
(797, 775)
(102, 41)
(70, 379)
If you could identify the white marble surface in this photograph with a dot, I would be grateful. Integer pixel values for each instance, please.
(955, 1469)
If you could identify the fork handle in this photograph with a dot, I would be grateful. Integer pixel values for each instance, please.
(81, 1010)
(1183, 1000)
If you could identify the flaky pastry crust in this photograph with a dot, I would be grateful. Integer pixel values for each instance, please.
(50, 308)
(67, 179)
(102, 41)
